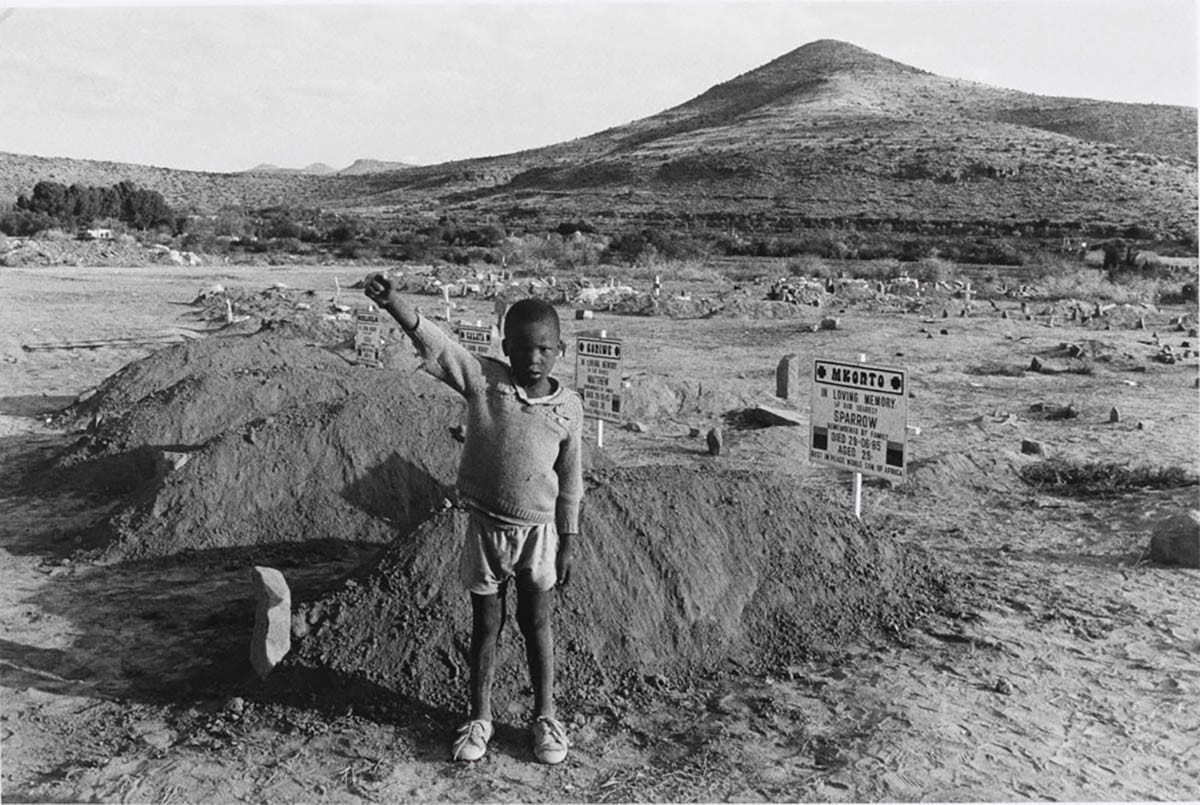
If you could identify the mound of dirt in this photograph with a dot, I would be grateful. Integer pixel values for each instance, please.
(264, 438)
(363, 466)
(186, 394)
(678, 571)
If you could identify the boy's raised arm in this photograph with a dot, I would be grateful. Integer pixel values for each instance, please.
(444, 358)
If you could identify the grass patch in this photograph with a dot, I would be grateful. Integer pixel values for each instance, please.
(1102, 479)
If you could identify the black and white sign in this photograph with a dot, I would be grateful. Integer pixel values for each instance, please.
(598, 375)
(859, 417)
(476, 337)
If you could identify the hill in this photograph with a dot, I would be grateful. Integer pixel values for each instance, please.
(828, 135)
(361, 166)
(315, 169)
(833, 134)
(184, 190)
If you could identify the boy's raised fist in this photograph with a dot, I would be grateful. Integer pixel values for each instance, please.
(377, 288)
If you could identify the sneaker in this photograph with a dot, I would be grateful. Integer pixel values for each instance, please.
(472, 740)
(549, 740)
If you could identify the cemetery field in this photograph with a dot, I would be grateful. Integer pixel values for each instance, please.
(1045, 445)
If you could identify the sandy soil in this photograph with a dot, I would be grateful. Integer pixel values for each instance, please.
(1071, 671)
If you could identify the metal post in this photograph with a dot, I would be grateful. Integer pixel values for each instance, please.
(862, 358)
(600, 422)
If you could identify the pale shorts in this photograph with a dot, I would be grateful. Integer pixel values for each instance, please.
(495, 551)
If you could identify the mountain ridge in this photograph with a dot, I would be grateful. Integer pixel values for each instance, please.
(828, 130)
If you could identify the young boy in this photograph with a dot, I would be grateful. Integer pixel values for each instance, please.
(521, 479)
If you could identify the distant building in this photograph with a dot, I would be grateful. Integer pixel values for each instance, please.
(96, 234)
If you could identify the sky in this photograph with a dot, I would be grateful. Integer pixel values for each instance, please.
(224, 88)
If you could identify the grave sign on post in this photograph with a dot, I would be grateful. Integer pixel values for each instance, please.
(475, 337)
(859, 417)
(598, 378)
(368, 337)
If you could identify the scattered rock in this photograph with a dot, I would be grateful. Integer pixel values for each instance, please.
(235, 706)
(1141, 425)
(715, 441)
(1003, 686)
(1032, 447)
(458, 433)
(693, 432)
(637, 427)
(272, 637)
(944, 331)
(830, 323)
(582, 315)
(299, 624)
(1176, 540)
(1035, 365)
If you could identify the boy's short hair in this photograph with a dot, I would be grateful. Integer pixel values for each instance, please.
(528, 311)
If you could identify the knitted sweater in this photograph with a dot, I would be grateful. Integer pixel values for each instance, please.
(522, 458)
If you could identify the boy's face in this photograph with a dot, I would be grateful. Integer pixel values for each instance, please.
(532, 350)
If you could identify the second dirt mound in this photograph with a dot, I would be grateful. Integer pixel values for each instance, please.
(678, 570)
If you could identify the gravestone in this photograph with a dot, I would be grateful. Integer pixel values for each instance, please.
(715, 441)
(787, 376)
(272, 637)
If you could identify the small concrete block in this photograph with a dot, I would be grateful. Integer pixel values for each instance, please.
(1114, 415)
(830, 323)
(272, 637)
(770, 416)
(581, 315)
(716, 441)
(1176, 540)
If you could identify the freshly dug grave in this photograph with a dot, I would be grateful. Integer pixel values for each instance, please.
(186, 394)
(363, 467)
(678, 571)
(266, 438)
(261, 438)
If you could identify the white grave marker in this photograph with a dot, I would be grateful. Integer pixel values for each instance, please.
(859, 417)
(368, 337)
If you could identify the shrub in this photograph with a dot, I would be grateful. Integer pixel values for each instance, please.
(53, 234)
(810, 266)
(933, 269)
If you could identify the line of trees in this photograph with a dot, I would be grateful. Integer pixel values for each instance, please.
(53, 205)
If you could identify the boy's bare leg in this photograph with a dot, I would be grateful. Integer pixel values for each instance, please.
(485, 629)
(534, 608)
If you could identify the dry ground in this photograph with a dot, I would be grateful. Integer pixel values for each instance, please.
(1071, 671)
